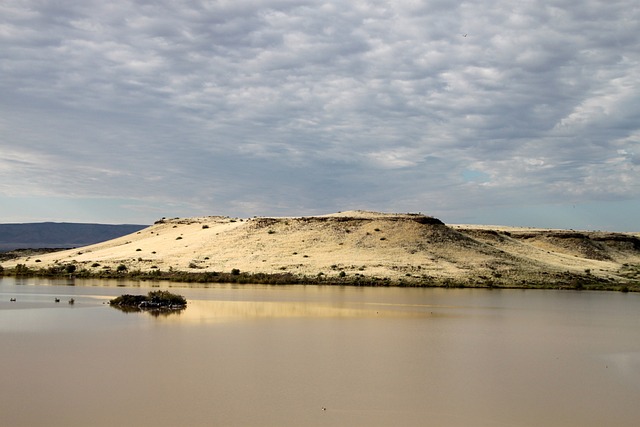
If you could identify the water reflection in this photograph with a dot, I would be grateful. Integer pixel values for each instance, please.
(154, 312)
(202, 311)
(276, 356)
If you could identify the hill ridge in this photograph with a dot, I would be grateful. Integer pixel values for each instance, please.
(402, 248)
(51, 234)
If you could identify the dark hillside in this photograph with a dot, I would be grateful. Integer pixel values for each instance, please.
(60, 234)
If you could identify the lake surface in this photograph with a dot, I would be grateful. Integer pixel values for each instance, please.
(245, 355)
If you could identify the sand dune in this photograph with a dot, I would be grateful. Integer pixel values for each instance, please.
(407, 247)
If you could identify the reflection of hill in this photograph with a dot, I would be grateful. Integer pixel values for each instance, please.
(218, 311)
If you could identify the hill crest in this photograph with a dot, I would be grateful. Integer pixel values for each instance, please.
(407, 248)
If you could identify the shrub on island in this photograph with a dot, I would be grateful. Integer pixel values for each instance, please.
(154, 300)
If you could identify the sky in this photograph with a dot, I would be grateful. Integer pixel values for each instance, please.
(519, 113)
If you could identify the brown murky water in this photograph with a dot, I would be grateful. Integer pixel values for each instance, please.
(276, 356)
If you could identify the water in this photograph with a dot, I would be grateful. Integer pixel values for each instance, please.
(276, 356)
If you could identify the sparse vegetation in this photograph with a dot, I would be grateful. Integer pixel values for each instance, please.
(550, 281)
(21, 270)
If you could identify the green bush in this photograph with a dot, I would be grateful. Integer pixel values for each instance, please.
(128, 300)
(21, 269)
(153, 300)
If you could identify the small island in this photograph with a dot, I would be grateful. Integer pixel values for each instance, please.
(154, 300)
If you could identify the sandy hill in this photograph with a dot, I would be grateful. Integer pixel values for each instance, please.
(407, 247)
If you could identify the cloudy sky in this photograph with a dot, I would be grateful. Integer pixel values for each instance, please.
(486, 111)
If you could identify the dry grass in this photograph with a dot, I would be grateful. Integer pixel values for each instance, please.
(405, 247)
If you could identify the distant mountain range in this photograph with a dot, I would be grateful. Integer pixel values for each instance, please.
(60, 234)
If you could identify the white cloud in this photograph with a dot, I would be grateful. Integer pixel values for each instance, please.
(312, 105)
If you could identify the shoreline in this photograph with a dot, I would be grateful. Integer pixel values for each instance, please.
(561, 282)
